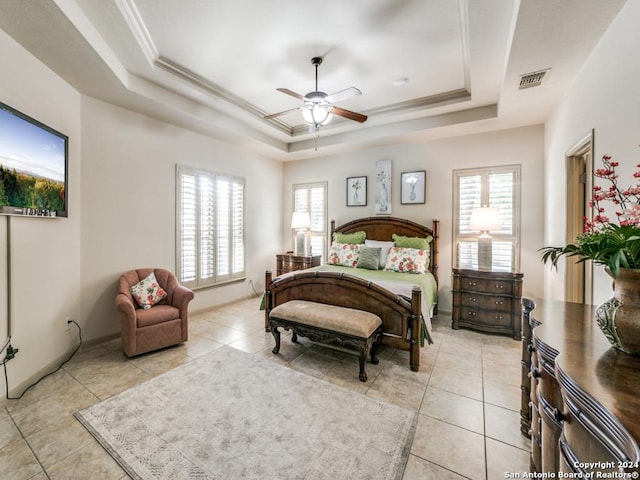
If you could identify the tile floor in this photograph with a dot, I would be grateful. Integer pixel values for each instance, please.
(467, 394)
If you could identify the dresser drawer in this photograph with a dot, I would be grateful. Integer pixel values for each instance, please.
(488, 317)
(485, 285)
(486, 302)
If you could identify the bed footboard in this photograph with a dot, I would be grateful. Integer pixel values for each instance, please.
(401, 319)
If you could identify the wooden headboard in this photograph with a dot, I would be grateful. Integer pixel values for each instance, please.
(382, 228)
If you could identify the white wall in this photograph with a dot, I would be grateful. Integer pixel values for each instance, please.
(45, 256)
(605, 97)
(128, 192)
(439, 158)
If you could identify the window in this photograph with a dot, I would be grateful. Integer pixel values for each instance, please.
(312, 198)
(497, 187)
(210, 233)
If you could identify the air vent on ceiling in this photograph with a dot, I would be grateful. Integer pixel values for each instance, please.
(532, 79)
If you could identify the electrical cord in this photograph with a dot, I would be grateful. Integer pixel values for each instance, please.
(254, 289)
(4, 364)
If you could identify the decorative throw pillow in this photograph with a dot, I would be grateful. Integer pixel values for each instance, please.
(384, 250)
(343, 254)
(369, 258)
(147, 292)
(407, 260)
(418, 243)
(356, 238)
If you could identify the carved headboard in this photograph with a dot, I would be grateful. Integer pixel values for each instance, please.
(382, 228)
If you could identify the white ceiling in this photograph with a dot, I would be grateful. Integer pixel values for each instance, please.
(214, 65)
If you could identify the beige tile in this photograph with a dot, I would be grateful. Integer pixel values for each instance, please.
(450, 447)
(92, 461)
(161, 361)
(457, 382)
(419, 469)
(503, 459)
(455, 409)
(501, 394)
(460, 364)
(56, 442)
(112, 379)
(221, 333)
(17, 461)
(253, 343)
(197, 346)
(52, 410)
(504, 425)
(8, 431)
(55, 383)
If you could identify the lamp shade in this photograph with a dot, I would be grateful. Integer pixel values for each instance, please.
(485, 219)
(300, 220)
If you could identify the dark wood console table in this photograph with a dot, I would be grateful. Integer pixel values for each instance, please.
(584, 413)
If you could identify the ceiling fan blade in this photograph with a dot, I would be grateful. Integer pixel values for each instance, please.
(292, 93)
(343, 95)
(341, 112)
(274, 115)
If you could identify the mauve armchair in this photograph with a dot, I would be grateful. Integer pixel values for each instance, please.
(160, 326)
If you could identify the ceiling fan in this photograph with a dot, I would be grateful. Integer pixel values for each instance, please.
(318, 107)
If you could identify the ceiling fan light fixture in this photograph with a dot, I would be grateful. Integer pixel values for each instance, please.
(316, 114)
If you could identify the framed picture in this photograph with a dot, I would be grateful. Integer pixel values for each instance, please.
(356, 191)
(412, 187)
(383, 187)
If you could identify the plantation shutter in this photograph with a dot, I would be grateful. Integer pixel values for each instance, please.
(494, 187)
(312, 198)
(210, 246)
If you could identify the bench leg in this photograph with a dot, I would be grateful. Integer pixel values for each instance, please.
(363, 358)
(374, 358)
(294, 336)
(276, 336)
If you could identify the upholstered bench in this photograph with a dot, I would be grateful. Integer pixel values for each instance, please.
(329, 324)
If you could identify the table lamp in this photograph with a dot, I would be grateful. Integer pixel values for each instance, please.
(300, 222)
(485, 219)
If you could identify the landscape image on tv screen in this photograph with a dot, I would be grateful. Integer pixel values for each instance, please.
(33, 163)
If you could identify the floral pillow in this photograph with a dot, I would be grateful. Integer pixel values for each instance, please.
(407, 260)
(343, 254)
(147, 292)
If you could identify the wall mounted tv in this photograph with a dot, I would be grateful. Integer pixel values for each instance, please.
(33, 166)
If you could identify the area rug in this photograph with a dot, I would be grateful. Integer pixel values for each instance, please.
(232, 415)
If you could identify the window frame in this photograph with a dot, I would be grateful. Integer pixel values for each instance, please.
(233, 273)
(313, 233)
(497, 236)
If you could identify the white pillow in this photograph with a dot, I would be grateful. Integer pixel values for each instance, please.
(147, 292)
(384, 249)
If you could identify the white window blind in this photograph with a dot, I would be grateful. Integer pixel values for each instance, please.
(312, 198)
(497, 187)
(210, 220)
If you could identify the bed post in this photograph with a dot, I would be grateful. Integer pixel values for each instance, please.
(267, 300)
(416, 325)
(436, 252)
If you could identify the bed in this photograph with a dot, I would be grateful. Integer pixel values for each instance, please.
(404, 307)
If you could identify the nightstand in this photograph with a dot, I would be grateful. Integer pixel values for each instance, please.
(288, 262)
(487, 301)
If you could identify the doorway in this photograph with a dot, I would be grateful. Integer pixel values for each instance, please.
(579, 159)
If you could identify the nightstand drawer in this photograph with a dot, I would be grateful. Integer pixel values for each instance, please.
(483, 285)
(487, 302)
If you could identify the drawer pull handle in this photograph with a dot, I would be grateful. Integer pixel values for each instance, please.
(472, 314)
(499, 302)
(531, 348)
(534, 373)
(498, 317)
(473, 299)
(558, 416)
(499, 287)
(473, 284)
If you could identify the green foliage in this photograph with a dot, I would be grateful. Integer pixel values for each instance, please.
(612, 245)
(27, 191)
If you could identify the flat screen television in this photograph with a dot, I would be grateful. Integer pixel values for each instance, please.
(33, 166)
